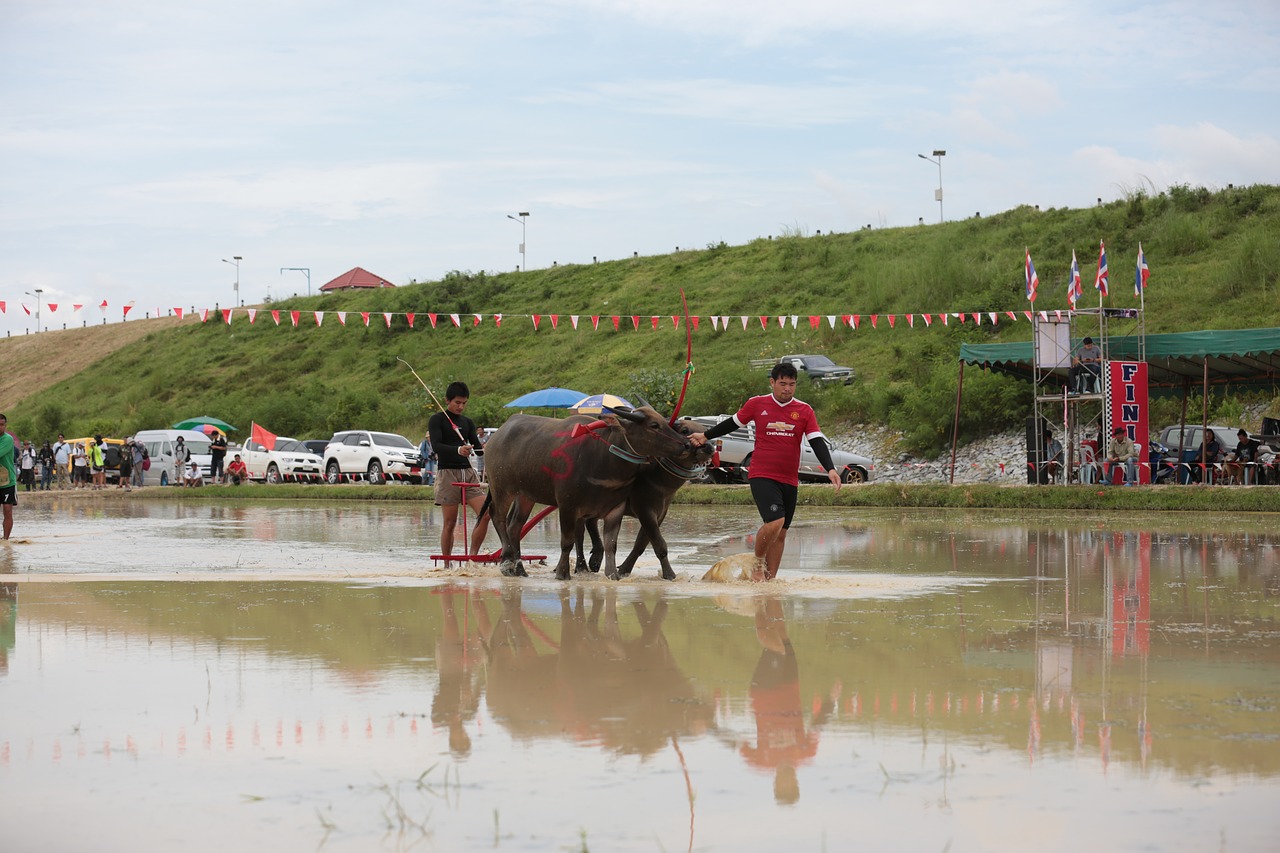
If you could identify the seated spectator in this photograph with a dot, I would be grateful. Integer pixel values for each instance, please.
(1122, 450)
(191, 477)
(1241, 461)
(237, 473)
(1052, 464)
(1204, 465)
(1086, 365)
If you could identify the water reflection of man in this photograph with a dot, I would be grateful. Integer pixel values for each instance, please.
(458, 651)
(8, 612)
(782, 741)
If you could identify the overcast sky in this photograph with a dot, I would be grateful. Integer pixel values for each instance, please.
(142, 142)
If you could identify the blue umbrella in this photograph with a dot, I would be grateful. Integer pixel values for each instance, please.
(547, 398)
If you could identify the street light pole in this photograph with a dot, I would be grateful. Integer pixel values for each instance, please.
(523, 220)
(939, 154)
(306, 270)
(37, 296)
(236, 259)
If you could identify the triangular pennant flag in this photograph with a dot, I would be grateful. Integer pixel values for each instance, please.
(961, 316)
(25, 308)
(857, 321)
(764, 322)
(2, 306)
(782, 322)
(911, 320)
(675, 321)
(892, 317)
(992, 315)
(1028, 314)
(977, 318)
(573, 320)
(386, 315)
(928, 320)
(595, 322)
(410, 317)
(847, 319)
(319, 317)
(831, 321)
(814, 320)
(555, 321)
(364, 315)
(204, 315)
(295, 316)
(694, 320)
(715, 322)
(795, 319)
(874, 317)
(75, 306)
(1044, 316)
(497, 320)
(477, 320)
(178, 312)
(253, 312)
(536, 320)
(1057, 315)
(52, 306)
(432, 318)
(453, 318)
(945, 320)
(635, 322)
(103, 306)
(226, 315)
(744, 322)
(1011, 315)
(275, 315)
(615, 322)
(653, 321)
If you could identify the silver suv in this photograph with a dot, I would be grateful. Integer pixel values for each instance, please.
(359, 454)
(735, 457)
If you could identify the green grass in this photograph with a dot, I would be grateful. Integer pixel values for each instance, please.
(1213, 255)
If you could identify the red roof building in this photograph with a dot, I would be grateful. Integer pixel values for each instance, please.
(354, 279)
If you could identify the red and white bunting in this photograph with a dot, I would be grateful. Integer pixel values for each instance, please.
(295, 316)
(455, 320)
(342, 317)
(319, 315)
(536, 320)
(555, 321)
(226, 315)
(386, 315)
(253, 313)
(275, 315)
(573, 320)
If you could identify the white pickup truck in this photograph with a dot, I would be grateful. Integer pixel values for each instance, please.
(289, 461)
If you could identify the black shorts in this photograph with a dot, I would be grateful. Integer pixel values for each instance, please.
(774, 500)
(9, 496)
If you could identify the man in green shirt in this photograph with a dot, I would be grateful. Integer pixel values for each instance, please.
(8, 476)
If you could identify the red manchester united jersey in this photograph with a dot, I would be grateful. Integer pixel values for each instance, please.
(779, 430)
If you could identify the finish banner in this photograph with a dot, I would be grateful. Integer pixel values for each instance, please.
(1127, 381)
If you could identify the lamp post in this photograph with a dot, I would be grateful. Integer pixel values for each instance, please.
(37, 293)
(236, 259)
(523, 220)
(938, 195)
(306, 270)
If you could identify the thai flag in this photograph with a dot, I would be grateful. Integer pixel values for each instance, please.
(1101, 281)
(1140, 278)
(1033, 280)
(1074, 291)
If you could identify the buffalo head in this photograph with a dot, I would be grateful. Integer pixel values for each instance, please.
(648, 433)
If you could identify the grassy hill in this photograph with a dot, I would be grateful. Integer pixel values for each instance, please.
(1214, 258)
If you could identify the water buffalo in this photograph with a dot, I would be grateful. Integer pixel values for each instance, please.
(585, 475)
(649, 500)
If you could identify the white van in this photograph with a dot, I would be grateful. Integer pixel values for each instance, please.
(159, 444)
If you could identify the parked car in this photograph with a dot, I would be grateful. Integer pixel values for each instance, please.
(734, 457)
(159, 444)
(818, 368)
(289, 460)
(1185, 447)
(315, 445)
(111, 450)
(376, 455)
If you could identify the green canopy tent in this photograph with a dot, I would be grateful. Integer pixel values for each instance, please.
(1239, 359)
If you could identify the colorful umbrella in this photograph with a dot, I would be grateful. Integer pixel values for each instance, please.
(597, 403)
(209, 430)
(195, 423)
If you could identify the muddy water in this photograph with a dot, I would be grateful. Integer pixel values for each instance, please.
(303, 678)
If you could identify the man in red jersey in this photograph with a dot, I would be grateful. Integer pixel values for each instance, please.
(782, 423)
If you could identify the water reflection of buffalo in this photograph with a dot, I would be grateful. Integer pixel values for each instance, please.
(628, 695)
(585, 473)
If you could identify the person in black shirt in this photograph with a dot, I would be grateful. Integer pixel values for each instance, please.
(217, 455)
(453, 435)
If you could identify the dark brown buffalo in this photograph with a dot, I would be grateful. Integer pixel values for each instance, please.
(649, 500)
(589, 475)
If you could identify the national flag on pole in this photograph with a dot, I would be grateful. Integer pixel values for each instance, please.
(1100, 283)
(1074, 291)
(261, 436)
(1033, 280)
(1141, 276)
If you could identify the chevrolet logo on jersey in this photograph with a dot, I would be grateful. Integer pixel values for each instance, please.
(779, 426)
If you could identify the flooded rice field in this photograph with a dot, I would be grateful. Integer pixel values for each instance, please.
(177, 677)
